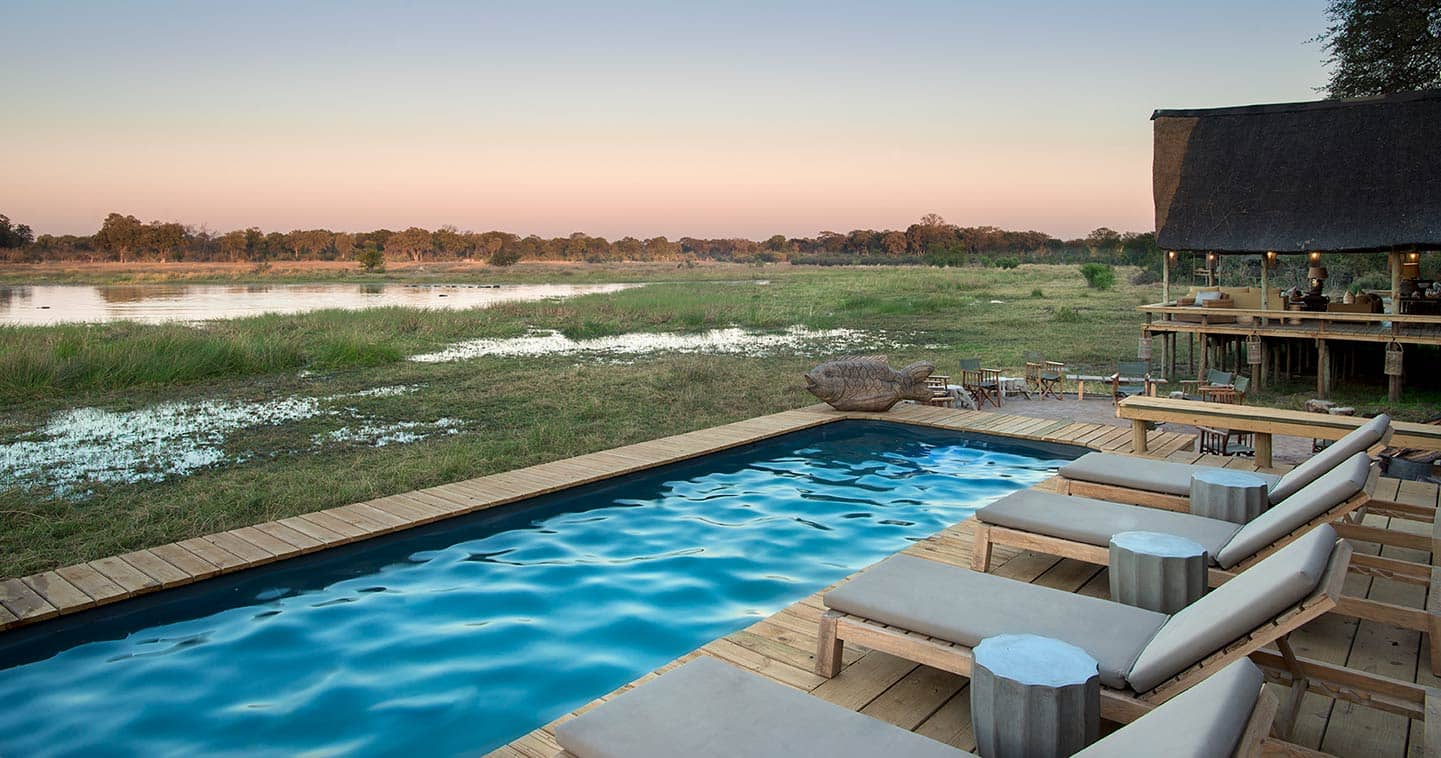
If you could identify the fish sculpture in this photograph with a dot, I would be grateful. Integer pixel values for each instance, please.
(868, 384)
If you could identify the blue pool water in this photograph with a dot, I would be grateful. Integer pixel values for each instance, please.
(458, 637)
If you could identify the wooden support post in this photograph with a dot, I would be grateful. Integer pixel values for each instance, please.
(1138, 436)
(1166, 276)
(829, 647)
(1265, 283)
(1205, 355)
(1263, 369)
(1263, 449)
(1395, 260)
(1323, 370)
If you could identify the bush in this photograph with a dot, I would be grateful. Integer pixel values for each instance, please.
(1037, 293)
(505, 257)
(1098, 275)
(1008, 262)
(1067, 315)
(1371, 282)
(1145, 276)
(371, 258)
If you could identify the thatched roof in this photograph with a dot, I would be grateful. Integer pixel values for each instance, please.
(1336, 175)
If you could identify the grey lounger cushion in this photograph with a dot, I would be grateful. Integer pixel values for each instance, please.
(966, 607)
(1330, 490)
(1139, 473)
(1083, 519)
(1359, 440)
(1205, 721)
(1175, 478)
(706, 708)
(1242, 604)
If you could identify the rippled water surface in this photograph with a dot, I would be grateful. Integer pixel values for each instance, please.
(158, 303)
(456, 638)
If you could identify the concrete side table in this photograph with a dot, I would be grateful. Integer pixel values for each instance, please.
(1158, 572)
(1033, 696)
(1229, 495)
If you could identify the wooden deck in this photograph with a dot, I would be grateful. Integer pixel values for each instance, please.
(782, 646)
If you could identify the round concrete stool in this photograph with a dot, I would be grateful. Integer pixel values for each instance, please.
(1033, 696)
(1229, 495)
(1155, 571)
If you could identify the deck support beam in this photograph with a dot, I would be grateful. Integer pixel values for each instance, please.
(1323, 370)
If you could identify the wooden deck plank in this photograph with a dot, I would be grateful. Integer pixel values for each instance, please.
(157, 568)
(92, 582)
(299, 540)
(128, 577)
(58, 591)
(186, 561)
(24, 603)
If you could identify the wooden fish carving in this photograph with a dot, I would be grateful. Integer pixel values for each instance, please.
(861, 384)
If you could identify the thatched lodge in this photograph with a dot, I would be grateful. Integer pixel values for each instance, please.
(1251, 188)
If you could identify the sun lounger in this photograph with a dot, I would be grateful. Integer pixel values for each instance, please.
(935, 614)
(1166, 484)
(1022, 518)
(706, 709)
(1081, 528)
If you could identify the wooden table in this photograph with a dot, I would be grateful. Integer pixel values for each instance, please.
(1081, 379)
(1263, 422)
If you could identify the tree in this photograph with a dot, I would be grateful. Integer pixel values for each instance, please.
(932, 219)
(119, 235)
(370, 257)
(1382, 46)
(1103, 240)
(414, 243)
(14, 235)
(894, 243)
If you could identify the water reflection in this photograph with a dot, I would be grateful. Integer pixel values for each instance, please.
(157, 303)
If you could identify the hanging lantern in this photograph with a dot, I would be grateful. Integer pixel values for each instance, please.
(1253, 350)
(1393, 359)
(1143, 350)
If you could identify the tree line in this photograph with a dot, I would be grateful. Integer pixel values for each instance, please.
(125, 238)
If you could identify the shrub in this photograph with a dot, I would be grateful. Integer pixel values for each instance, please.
(1037, 293)
(505, 257)
(1145, 276)
(1098, 276)
(371, 258)
(1008, 262)
(1371, 281)
(1067, 315)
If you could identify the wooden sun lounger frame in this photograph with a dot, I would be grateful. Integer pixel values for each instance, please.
(1254, 738)
(1345, 518)
(1284, 667)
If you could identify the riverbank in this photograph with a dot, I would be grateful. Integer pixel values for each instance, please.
(405, 272)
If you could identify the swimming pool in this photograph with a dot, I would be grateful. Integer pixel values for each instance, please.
(457, 637)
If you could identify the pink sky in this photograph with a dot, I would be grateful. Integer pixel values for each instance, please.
(748, 121)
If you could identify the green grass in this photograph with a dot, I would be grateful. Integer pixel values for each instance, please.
(514, 412)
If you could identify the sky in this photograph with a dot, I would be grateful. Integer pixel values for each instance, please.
(716, 119)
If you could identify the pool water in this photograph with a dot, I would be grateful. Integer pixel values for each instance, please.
(458, 637)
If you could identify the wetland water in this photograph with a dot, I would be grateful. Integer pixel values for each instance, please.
(39, 305)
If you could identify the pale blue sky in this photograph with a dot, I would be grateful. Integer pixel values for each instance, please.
(722, 119)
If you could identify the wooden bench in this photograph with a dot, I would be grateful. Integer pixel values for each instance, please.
(1081, 379)
(1261, 421)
